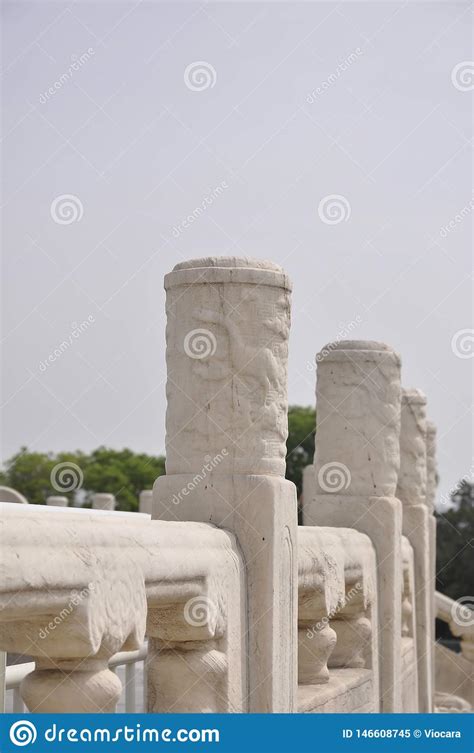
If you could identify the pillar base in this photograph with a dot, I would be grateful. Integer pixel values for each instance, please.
(262, 512)
(381, 519)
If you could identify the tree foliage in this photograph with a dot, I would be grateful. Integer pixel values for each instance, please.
(120, 472)
(455, 544)
(300, 442)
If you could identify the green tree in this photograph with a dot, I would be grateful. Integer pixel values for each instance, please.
(29, 473)
(300, 442)
(122, 473)
(455, 544)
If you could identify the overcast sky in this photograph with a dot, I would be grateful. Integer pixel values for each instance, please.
(289, 103)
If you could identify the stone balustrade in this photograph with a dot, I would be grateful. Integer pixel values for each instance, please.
(244, 610)
(77, 588)
(454, 672)
(337, 621)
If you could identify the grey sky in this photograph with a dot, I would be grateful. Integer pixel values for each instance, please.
(361, 100)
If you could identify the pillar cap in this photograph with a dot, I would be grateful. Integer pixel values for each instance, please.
(413, 396)
(228, 269)
(228, 261)
(365, 349)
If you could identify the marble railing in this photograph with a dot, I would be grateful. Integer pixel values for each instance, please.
(454, 672)
(243, 609)
(78, 587)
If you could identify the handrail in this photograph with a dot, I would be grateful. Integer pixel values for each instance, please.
(15, 673)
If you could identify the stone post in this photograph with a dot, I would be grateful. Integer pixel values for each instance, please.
(356, 466)
(432, 481)
(411, 491)
(226, 426)
(145, 501)
(103, 502)
(54, 501)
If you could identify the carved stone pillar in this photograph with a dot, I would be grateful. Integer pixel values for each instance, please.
(432, 481)
(356, 465)
(145, 501)
(54, 501)
(411, 490)
(226, 426)
(103, 501)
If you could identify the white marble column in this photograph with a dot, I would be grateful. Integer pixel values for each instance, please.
(356, 465)
(102, 501)
(55, 501)
(145, 501)
(432, 481)
(226, 425)
(412, 490)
